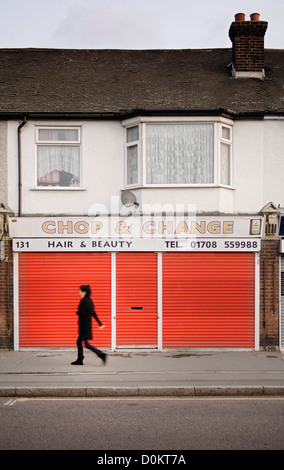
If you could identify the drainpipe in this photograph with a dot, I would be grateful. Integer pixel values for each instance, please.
(20, 167)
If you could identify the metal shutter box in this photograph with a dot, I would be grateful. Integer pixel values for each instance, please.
(208, 300)
(49, 297)
(136, 301)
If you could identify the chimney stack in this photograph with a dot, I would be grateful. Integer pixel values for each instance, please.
(248, 46)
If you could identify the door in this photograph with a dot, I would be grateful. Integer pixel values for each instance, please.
(136, 300)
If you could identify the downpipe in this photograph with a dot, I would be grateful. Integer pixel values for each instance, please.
(20, 166)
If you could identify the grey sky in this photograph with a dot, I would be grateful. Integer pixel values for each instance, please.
(132, 24)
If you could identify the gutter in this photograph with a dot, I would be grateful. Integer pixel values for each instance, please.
(128, 113)
(20, 166)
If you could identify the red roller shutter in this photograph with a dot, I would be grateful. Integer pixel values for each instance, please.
(136, 304)
(208, 300)
(49, 297)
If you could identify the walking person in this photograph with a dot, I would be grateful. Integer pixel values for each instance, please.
(85, 312)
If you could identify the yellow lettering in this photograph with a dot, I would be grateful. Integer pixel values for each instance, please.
(165, 226)
(182, 227)
(81, 227)
(214, 227)
(62, 227)
(199, 227)
(228, 227)
(96, 226)
(149, 227)
(122, 228)
(46, 229)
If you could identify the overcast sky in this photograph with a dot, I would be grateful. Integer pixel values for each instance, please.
(132, 24)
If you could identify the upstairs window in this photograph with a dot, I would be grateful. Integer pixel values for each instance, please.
(58, 157)
(179, 153)
(132, 148)
(225, 155)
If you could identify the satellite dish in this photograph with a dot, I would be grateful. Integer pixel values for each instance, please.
(128, 199)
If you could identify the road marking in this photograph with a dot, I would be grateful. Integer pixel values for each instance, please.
(11, 402)
(216, 398)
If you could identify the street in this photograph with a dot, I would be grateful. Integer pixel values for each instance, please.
(142, 424)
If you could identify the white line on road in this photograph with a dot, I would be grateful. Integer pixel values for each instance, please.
(11, 402)
(157, 398)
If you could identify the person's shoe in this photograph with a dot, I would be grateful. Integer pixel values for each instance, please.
(78, 362)
(104, 358)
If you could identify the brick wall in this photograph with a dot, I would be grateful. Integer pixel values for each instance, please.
(269, 293)
(6, 298)
(248, 54)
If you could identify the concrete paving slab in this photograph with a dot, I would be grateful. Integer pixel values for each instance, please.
(142, 373)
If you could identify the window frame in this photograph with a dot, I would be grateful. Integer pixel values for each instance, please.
(229, 142)
(133, 143)
(69, 143)
(218, 123)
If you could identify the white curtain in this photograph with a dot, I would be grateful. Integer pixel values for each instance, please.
(58, 135)
(180, 153)
(132, 164)
(225, 164)
(58, 164)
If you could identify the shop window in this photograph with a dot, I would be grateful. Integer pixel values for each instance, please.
(58, 157)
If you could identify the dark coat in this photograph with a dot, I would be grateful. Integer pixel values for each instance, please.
(86, 311)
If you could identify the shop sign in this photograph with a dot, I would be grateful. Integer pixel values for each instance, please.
(131, 227)
(135, 244)
(169, 233)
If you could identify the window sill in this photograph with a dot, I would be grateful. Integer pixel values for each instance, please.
(57, 188)
(179, 186)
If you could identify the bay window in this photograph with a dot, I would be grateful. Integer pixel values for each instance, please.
(178, 153)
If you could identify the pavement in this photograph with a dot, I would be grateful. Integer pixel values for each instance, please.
(142, 373)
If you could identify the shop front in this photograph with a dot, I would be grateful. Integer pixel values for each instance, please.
(175, 282)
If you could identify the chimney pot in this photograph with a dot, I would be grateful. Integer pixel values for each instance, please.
(254, 16)
(240, 17)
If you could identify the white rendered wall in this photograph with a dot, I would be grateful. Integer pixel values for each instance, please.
(258, 169)
(102, 155)
(273, 182)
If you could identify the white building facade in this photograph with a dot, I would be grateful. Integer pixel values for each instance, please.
(173, 217)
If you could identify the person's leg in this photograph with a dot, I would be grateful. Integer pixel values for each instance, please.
(80, 351)
(97, 351)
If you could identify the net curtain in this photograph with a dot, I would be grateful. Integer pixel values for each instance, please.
(58, 164)
(180, 154)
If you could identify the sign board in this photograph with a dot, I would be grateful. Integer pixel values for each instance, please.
(171, 233)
